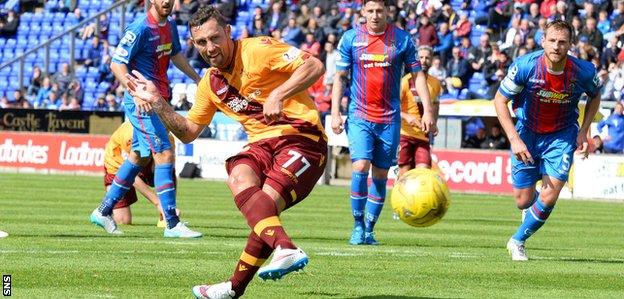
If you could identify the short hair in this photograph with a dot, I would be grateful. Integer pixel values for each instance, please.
(425, 48)
(205, 13)
(560, 25)
(384, 2)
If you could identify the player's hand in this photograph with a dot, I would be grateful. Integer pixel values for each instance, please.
(428, 124)
(412, 121)
(337, 124)
(582, 146)
(144, 92)
(520, 150)
(272, 108)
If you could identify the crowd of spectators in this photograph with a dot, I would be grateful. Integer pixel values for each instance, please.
(474, 42)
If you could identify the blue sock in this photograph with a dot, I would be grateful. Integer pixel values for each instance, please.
(166, 191)
(359, 193)
(121, 184)
(375, 202)
(535, 218)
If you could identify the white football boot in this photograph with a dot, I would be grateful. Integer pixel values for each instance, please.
(106, 222)
(181, 231)
(516, 250)
(221, 290)
(283, 262)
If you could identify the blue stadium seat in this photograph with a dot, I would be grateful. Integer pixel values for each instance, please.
(91, 86)
(50, 4)
(81, 72)
(2, 41)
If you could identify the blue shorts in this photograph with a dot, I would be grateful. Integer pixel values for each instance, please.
(374, 142)
(150, 135)
(552, 153)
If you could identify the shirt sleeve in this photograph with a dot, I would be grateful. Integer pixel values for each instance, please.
(344, 58)
(129, 45)
(411, 61)
(203, 108)
(592, 82)
(175, 39)
(515, 80)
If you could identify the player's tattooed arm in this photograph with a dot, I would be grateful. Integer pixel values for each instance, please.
(144, 90)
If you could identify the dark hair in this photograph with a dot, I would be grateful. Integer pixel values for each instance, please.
(204, 14)
(560, 25)
(384, 2)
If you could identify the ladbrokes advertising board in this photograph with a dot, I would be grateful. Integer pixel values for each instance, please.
(52, 152)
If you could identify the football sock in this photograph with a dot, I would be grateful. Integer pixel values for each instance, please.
(121, 184)
(261, 213)
(535, 218)
(166, 191)
(254, 255)
(359, 193)
(375, 202)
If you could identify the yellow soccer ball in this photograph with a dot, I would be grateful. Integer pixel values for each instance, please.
(420, 197)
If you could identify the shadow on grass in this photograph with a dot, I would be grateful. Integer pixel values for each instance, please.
(584, 260)
(392, 297)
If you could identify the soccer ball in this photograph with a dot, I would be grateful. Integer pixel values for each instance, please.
(420, 197)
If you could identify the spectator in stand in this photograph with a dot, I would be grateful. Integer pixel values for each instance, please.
(463, 27)
(577, 27)
(112, 103)
(539, 31)
(477, 56)
(35, 82)
(316, 30)
(52, 102)
(292, 34)
(427, 35)
(65, 6)
(63, 77)
(331, 55)
(186, 9)
(5, 103)
(8, 27)
(345, 25)
(443, 49)
(104, 71)
(311, 45)
(20, 101)
(618, 19)
(276, 18)
(303, 16)
(589, 11)
(548, 8)
(515, 47)
(226, 7)
(193, 57)
(437, 70)
(499, 15)
(75, 18)
(332, 20)
(74, 104)
(610, 52)
(258, 27)
(597, 146)
(496, 140)
(183, 104)
(593, 34)
(534, 14)
(42, 94)
(64, 102)
(319, 16)
(100, 104)
(476, 140)
(76, 90)
(562, 12)
(458, 72)
(614, 141)
(94, 55)
(604, 24)
(510, 34)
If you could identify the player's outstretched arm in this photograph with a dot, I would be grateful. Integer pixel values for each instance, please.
(504, 117)
(336, 96)
(145, 90)
(591, 108)
(146, 191)
(182, 64)
(302, 78)
(428, 120)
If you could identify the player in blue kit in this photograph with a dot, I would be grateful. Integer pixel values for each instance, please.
(375, 55)
(148, 44)
(545, 88)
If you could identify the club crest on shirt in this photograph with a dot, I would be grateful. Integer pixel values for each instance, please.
(128, 38)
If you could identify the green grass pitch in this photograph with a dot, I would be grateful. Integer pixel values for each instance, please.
(54, 252)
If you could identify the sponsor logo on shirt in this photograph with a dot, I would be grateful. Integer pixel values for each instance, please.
(373, 57)
(121, 52)
(360, 44)
(548, 96)
(291, 54)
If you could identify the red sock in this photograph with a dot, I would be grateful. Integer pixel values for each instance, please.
(254, 255)
(261, 213)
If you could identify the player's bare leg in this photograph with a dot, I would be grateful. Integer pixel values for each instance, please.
(122, 215)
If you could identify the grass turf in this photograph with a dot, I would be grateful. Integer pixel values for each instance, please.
(53, 251)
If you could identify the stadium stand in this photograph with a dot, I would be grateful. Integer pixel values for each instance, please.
(489, 35)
